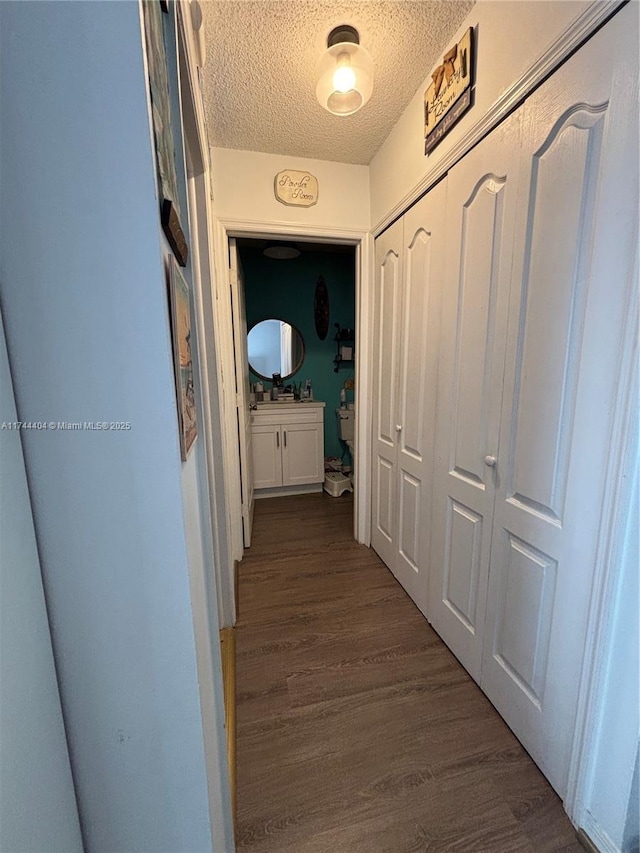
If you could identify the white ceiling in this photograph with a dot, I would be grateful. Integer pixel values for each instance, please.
(259, 78)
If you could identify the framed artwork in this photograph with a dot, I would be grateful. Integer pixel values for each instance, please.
(162, 129)
(449, 95)
(183, 363)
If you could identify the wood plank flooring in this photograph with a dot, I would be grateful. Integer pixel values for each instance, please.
(357, 730)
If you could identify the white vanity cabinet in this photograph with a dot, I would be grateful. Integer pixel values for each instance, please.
(288, 448)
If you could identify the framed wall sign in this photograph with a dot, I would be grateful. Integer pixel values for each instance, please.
(295, 188)
(449, 95)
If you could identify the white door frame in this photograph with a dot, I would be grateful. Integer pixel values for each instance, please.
(198, 192)
(216, 607)
(363, 243)
(616, 521)
(239, 320)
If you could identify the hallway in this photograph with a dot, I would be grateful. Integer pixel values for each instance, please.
(358, 731)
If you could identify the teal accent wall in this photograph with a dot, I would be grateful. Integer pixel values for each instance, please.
(285, 290)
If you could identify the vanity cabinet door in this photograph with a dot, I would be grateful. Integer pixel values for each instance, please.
(267, 456)
(302, 454)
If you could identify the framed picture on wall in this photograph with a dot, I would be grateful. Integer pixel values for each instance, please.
(450, 93)
(170, 215)
(182, 360)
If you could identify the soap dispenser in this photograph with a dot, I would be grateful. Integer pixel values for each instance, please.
(343, 398)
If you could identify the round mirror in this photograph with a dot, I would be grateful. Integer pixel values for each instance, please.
(274, 347)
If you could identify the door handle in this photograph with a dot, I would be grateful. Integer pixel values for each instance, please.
(285, 438)
(490, 461)
(278, 440)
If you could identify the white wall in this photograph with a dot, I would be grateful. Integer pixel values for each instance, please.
(84, 300)
(243, 189)
(510, 36)
(37, 802)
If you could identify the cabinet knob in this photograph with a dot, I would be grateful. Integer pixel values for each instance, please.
(398, 427)
(490, 461)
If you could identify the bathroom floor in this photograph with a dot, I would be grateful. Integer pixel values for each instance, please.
(357, 730)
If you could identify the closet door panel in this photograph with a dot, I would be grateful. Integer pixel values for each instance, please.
(386, 350)
(524, 610)
(424, 237)
(480, 216)
(561, 199)
(414, 338)
(570, 296)
(384, 503)
(464, 539)
(473, 419)
(409, 508)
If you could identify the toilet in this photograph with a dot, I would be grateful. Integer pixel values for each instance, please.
(347, 431)
(336, 483)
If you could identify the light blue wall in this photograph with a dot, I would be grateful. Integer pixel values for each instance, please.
(83, 294)
(37, 801)
(285, 290)
(631, 837)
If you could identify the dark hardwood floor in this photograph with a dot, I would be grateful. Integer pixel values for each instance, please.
(358, 731)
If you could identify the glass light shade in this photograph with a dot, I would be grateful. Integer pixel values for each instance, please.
(344, 77)
(343, 65)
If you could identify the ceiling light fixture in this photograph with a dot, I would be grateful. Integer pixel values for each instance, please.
(281, 251)
(344, 73)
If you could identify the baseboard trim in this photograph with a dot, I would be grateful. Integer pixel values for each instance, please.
(586, 842)
(228, 654)
(594, 839)
(236, 597)
(288, 491)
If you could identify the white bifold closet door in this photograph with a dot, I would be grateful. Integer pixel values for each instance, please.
(409, 259)
(520, 485)
(572, 274)
(481, 212)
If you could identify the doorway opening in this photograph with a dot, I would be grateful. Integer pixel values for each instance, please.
(298, 302)
(360, 243)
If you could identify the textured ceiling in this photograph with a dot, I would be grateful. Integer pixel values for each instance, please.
(259, 79)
